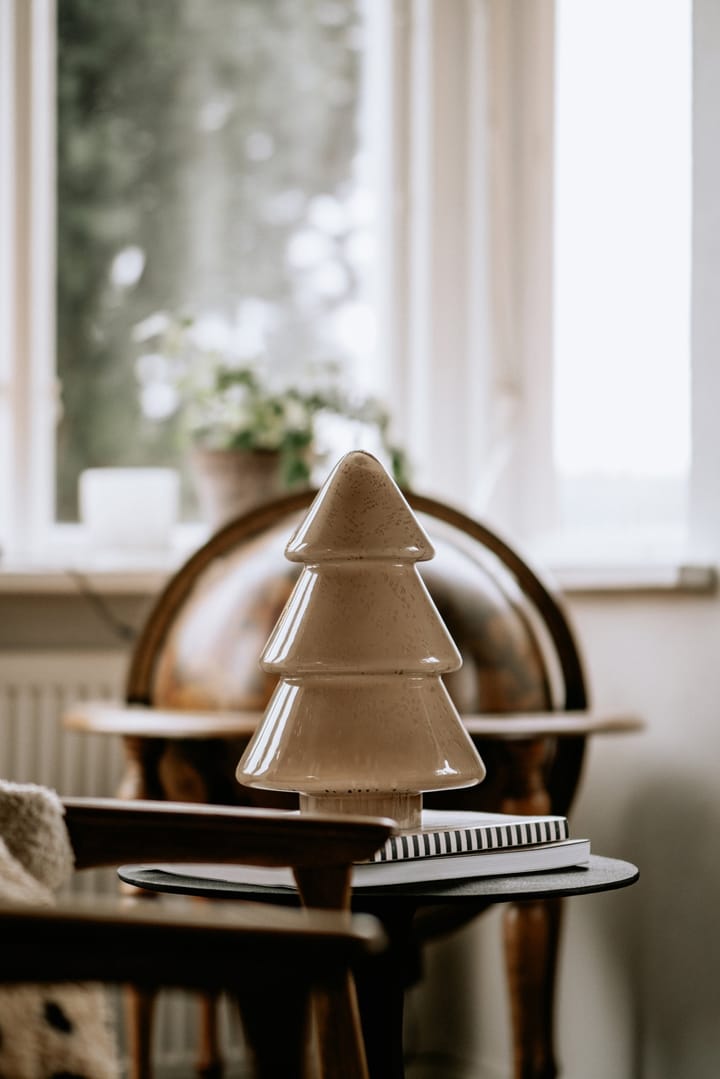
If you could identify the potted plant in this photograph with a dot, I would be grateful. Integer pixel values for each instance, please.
(255, 431)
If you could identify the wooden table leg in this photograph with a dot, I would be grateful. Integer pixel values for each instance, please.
(381, 994)
(210, 1062)
(140, 1007)
(531, 930)
(275, 1021)
(140, 779)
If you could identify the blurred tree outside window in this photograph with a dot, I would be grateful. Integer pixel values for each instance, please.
(209, 163)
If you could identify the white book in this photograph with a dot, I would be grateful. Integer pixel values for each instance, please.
(489, 863)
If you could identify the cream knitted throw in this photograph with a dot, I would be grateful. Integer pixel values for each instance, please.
(46, 1032)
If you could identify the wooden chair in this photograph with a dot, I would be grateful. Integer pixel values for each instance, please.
(195, 693)
(272, 959)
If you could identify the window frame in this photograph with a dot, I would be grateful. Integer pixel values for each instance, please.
(28, 386)
(704, 511)
(453, 137)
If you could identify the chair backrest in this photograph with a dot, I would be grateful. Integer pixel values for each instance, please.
(271, 958)
(201, 643)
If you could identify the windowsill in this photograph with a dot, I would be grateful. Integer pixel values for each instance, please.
(59, 581)
(145, 573)
(654, 560)
(70, 565)
(591, 578)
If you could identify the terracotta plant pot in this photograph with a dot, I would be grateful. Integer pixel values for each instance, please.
(231, 482)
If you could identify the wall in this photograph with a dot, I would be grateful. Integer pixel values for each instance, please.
(651, 956)
(654, 799)
(639, 989)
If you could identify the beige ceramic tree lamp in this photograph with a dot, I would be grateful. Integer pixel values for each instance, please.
(360, 721)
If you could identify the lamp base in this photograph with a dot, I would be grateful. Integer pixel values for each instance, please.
(403, 807)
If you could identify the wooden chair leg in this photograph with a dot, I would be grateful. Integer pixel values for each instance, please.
(140, 1007)
(340, 1044)
(532, 931)
(210, 1062)
(340, 1039)
(276, 1022)
(139, 782)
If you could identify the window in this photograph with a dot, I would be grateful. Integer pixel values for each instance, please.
(211, 166)
(464, 241)
(588, 455)
(315, 226)
(622, 269)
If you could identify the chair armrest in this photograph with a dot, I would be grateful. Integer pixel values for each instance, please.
(108, 831)
(181, 944)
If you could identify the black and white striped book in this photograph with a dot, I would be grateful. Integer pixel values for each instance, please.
(446, 832)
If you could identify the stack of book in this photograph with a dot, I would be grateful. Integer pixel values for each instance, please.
(449, 846)
(461, 844)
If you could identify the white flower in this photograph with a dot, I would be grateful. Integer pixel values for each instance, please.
(152, 367)
(295, 415)
(152, 326)
(158, 400)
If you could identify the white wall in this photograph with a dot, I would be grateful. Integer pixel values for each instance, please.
(639, 985)
(654, 799)
(640, 974)
(639, 990)
(655, 950)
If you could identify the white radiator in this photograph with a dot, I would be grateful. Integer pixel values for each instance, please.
(35, 689)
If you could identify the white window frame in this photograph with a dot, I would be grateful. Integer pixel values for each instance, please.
(692, 564)
(433, 329)
(493, 454)
(705, 295)
(435, 100)
(28, 386)
(477, 102)
(469, 103)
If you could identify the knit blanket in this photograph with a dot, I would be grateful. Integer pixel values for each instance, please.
(46, 1032)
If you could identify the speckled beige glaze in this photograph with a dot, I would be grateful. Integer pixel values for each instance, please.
(360, 720)
(352, 616)
(360, 513)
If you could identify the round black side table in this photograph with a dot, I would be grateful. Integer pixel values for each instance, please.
(381, 992)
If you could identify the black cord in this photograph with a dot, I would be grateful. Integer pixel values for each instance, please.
(122, 630)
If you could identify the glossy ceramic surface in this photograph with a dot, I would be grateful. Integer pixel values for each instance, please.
(350, 616)
(360, 710)
(359, 513)
(361, 733)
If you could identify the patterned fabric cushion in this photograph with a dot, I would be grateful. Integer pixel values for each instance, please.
(46, 1032)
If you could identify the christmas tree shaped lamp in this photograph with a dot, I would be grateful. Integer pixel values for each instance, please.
(360, 721)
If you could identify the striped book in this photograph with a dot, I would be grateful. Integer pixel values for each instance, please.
(446, 832)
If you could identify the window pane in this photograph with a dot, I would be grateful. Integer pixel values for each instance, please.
(622, 274)
(210, 163)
